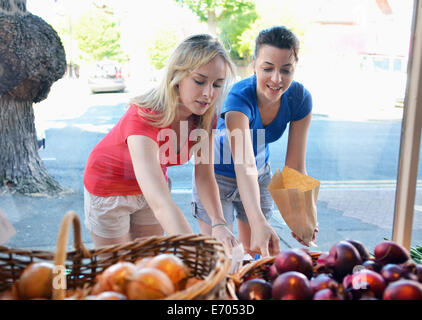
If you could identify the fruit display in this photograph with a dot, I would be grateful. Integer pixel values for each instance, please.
(147, 278)
(347, 272)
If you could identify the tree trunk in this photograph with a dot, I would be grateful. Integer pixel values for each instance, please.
(212, 23)
(20, 163)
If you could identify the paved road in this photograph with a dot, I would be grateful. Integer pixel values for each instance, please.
(355, 161)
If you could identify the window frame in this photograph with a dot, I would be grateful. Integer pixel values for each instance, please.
(410, 137)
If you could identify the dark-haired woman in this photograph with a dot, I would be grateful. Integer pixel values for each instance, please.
(255, 113)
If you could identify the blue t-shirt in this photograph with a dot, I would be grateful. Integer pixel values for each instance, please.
(295, 105)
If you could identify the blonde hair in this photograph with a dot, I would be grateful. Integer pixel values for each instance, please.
(190, 54)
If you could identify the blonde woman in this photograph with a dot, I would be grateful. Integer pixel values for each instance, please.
(127, 191)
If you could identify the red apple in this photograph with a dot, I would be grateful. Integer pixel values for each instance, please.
(294, 260)
(403, 290)
(255, 289)
(292, 285)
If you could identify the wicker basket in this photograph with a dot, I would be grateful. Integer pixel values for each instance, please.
(254, 269)
(205, 257)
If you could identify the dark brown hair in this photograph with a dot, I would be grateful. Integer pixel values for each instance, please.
(279, 37)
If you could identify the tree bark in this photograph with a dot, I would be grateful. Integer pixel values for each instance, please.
(13, 6)
(31, 59)
(20, 162)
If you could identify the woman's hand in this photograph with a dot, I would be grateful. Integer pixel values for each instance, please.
(264, 240)
(222, 233)
(301, 241)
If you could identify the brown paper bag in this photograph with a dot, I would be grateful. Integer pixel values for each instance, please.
(296, 195)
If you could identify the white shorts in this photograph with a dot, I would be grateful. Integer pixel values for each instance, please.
(111, 217)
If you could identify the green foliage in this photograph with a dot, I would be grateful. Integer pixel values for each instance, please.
(239, 21)
(271, 14)
(161, 48)
(237, 18)
(230, 17)
(63, 28)
(98, 36)
(201, 8)
(416, 254)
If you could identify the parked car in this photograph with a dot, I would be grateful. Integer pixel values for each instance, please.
(106, 77)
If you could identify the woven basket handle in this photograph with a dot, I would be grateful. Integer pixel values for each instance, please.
(61, 250)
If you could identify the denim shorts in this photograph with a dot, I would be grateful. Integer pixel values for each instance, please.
(230, 198)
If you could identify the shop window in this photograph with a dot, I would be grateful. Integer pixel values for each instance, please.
(353, 145)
